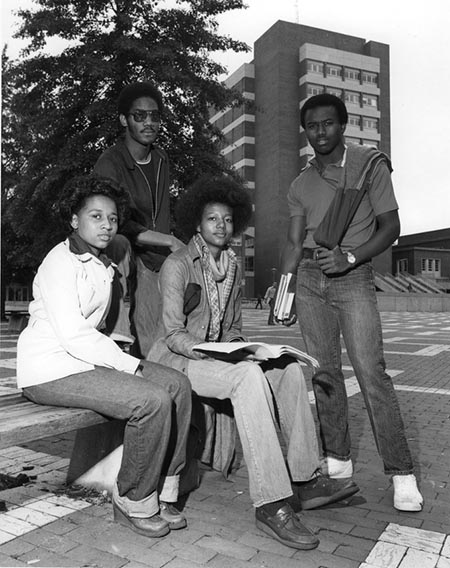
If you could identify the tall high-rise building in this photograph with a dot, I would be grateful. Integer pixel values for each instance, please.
(264, 139)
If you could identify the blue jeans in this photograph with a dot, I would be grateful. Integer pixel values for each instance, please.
(157, 409)
(328, 306)
(252, 389)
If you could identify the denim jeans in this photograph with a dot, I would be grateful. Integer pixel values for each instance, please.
(249, 386)
(145, 299)
(145, 308)
(157, 409)
(326, 307)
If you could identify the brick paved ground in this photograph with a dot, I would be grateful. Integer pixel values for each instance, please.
(44, 528)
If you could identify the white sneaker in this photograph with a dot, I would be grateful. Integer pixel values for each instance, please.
(407, 496)
(338, 469)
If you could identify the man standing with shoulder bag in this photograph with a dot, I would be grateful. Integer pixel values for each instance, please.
(343, 212)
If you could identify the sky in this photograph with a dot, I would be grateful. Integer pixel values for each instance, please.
(418, 36)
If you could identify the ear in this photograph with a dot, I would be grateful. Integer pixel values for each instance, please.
(74, 222)
(343, 127)
(123, 120)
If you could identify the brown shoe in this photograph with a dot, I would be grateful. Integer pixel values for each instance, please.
(169, 513)
(286, 527)
(152, 527)
(322, 490)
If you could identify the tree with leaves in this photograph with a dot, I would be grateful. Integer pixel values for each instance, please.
(59, 110)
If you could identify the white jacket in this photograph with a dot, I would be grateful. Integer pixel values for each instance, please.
(71, 299)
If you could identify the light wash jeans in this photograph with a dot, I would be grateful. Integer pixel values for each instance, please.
(157, 408)
(326, 307)
(249, 386)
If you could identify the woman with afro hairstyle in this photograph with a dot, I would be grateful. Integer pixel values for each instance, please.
(201, 301)
(64, 358)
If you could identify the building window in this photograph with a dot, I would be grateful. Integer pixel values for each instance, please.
(249, 264)
(336, 92)
(431, 266)
(402, 265)
(369, 78)
(315, 67)
(354, 120)
(370, 123)
(351, 140)
(314, 90)
(370, 101)
(351, 74)
(352, 98)
(333, 71)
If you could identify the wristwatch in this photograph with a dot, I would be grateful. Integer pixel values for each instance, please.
(351, 258)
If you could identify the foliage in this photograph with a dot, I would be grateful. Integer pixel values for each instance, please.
(59, 110)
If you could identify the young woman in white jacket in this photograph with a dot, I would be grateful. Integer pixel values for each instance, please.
(64, 358)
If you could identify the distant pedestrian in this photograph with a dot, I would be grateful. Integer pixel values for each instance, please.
(259, 302)
(269, 298)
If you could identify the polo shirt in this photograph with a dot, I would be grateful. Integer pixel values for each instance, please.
(311, 193)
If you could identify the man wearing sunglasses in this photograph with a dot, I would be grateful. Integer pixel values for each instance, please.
(143, 169)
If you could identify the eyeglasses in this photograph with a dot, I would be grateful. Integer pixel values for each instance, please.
(141, 115)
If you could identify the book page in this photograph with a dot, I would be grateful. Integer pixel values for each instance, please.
(241, 349)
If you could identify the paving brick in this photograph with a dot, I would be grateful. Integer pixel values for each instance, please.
(223, 561)
(41, 557)
(265, 543)
(50, 541)
(16, 547)
(88, 555)
(227, 547)
(9, 561)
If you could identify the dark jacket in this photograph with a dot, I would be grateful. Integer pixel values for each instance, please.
(117, 163)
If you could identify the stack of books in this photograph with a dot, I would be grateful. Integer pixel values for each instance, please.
(284, 298)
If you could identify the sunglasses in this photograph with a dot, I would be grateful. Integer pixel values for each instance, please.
(141, 115)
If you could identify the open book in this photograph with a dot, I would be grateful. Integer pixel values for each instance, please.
(240, 350)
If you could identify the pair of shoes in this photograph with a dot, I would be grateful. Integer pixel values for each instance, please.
(286, 527)
(152, 527)
(322, 490)
(337, 469)
(169, 513)
(407, 496)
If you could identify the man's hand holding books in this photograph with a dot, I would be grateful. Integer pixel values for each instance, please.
(284, 310)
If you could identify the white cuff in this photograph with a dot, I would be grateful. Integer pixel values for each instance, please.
(142, 509)
(169, 492)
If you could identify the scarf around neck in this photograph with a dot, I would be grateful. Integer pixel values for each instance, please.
(79, 246)
(224, 274)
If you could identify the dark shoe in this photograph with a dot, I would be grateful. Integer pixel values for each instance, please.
(286, 527)
(153, 527)
(169, 513)
(323, 490)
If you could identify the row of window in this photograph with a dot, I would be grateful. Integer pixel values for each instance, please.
(427, 265)
(352, 140)
(352, 97)
(363, 122)
(430, 264)
(342, 72)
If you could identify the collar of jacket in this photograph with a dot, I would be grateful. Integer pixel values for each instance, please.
(130, 161)
(81, 250)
